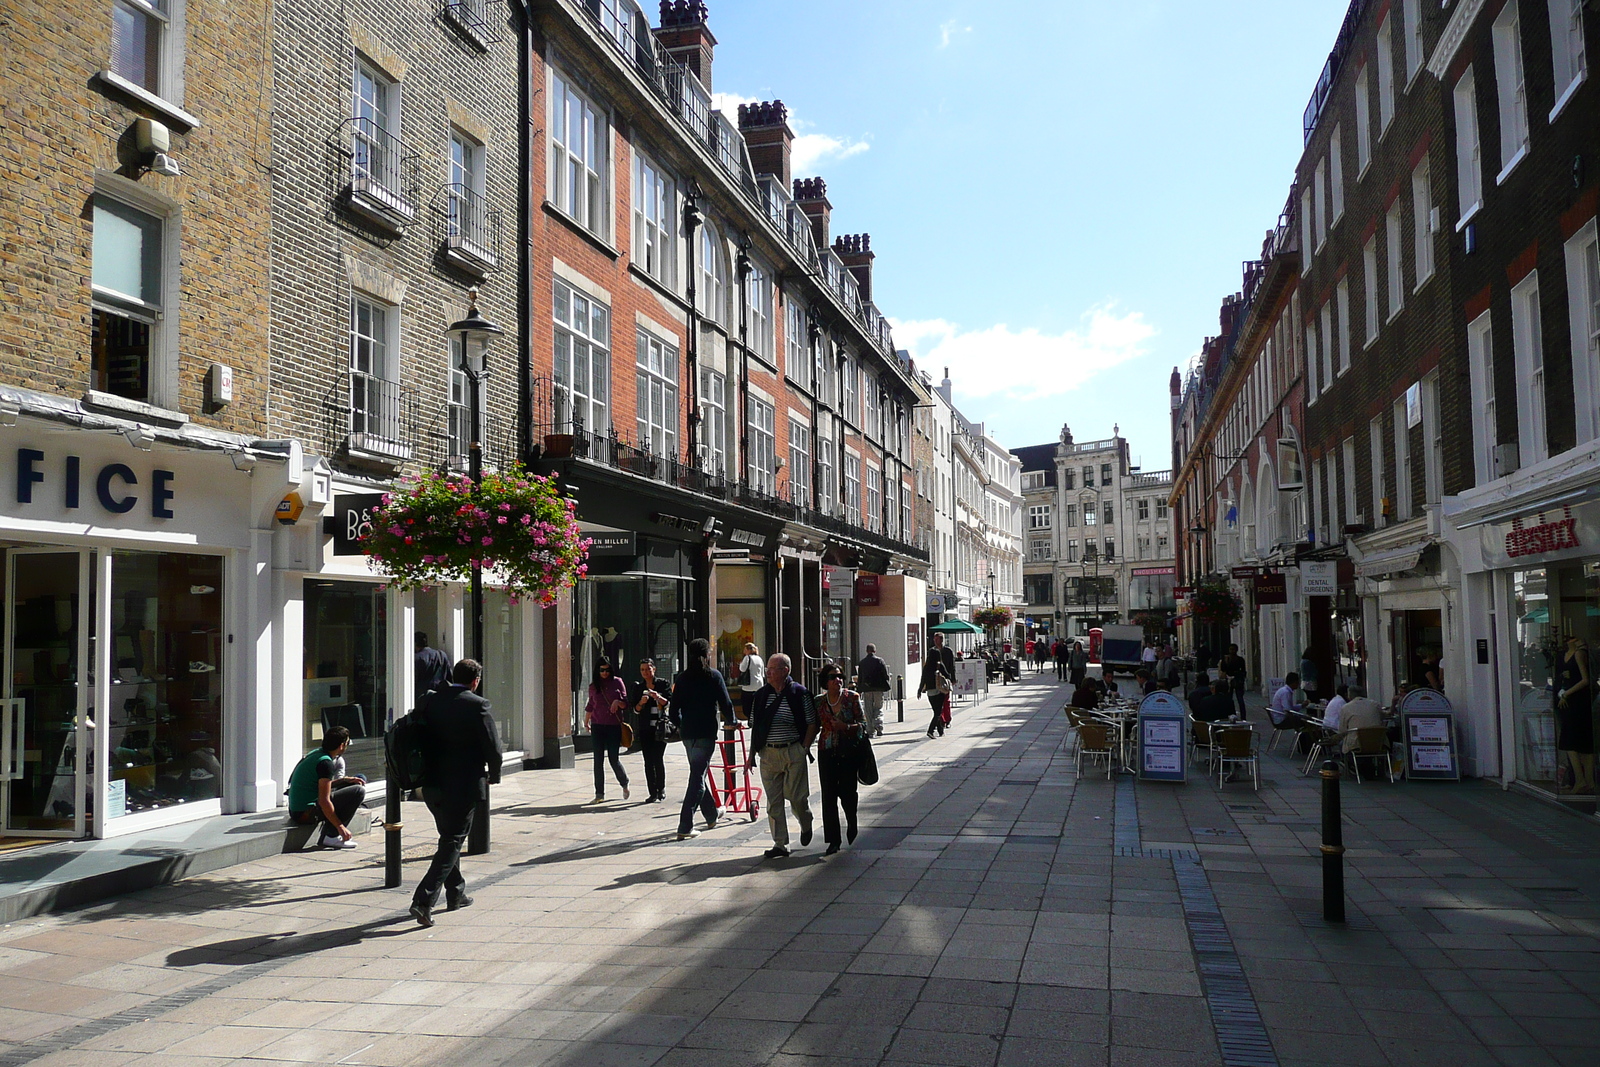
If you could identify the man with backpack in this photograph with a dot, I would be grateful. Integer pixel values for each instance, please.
(461, 759)
(872, 682)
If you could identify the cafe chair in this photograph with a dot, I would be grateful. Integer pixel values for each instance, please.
(1074, 720)
(1096, 742)
(1200, 738)
(1236, 747)
(1289, 725)
(1372, 742)
(1320, 744)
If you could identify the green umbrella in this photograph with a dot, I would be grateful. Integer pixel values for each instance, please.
(956, 626)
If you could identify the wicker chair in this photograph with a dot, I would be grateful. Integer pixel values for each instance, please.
(1200, 738)
(1371, 743)
(1234, 748)
(1097, 741)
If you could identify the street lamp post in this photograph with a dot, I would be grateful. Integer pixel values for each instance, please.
(471, 338)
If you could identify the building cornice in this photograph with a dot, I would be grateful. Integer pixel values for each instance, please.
(1454, 36)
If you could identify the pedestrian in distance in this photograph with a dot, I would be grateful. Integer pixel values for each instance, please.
(842, 725)
(1233, 665)
(602, 717)
(1077, 664)
(872, 675)
(938, 679)
(648, 697)
(783, 724)
(752, 675)
(461, 759)
(1059, 651)
(699, 701)
(1308, 674)
(432, 668)
(317, 788)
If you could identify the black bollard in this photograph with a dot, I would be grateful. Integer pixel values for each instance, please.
(900, 696)
(478, 836)
(1332, 846)
(391, 834)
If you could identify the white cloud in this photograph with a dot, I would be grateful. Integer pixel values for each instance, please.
(948, 31)
(810, 150)
(1024, 364)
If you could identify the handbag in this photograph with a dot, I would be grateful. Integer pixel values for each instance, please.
(941, 684)
(745, 680)
(866, 763)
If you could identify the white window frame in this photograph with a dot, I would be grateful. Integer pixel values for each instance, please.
(160, 315)
(1320, 184)
(166, 19)
(711, 285)
(827, 471)
(1363, 123)
(1306, 215)
(1485, 420)
(1422, 222)
(1369, 285)
(580, 166)
(1347, 480)
(874, 513)
(758, 312)
(798, 361)
(1328, 340)
(1385, 61)
(800, 463)
(1511, 89)
(763, 446)
(1039, 516)
(375, 354)
(1403, 499)
(852, 488)
(1432, 442)
(1312, 356)
(1395, 268)
(1571, 66)
(1469, 148)
(585, 337)
(1375, 450)
(1319, 515)
(714, 421)
(850, 392)
(1336, 168)
(1527, 340)
(375, 110)
(656, 395)
(655, 220)
(1583, 310)
(1342, 297)
(1411, 38)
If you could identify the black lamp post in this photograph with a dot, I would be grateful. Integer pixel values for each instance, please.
(470, 339)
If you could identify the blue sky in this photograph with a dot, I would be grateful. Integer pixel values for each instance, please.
(1060, 193)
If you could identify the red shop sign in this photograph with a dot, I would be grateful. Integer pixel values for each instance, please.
(866, 589)
(1545, 537)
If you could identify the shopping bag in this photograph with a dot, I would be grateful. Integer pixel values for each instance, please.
(866, 763)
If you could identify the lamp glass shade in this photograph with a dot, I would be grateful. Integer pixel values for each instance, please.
(472, 336)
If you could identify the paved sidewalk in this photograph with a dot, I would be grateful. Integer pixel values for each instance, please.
(994, 911)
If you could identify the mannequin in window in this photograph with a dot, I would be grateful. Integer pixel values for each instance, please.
(1574, 696)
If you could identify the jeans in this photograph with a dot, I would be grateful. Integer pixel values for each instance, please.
(1238, 698)
(840, 786)
(345, 800)
(699, 750)
(655, 769)
(784, 777)
(1061, 669)
(607, 743)
(940, 702)
(452, 815)
(872, 708)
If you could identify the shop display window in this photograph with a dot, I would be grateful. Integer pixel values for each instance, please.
(1556, 613)
(167, 651)
(347, 669)
(624, 619)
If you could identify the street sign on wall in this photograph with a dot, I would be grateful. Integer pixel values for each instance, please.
(1319, 578)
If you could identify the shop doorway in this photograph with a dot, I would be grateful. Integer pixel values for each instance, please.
(1418, 641)
(44, 769)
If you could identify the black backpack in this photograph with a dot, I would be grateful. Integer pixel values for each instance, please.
(403, 746)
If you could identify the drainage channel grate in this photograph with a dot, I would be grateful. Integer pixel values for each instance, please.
(1240, 1033)
(1158, 853)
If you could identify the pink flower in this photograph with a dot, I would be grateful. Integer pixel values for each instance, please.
(488, 540)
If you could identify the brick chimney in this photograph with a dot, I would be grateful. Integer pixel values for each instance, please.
(855, 252)
(767, 135)
(686, 38)
(811, 196)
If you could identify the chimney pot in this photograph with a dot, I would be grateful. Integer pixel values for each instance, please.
(685, 37)
(765, 127)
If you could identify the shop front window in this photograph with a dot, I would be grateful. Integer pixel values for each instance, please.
(741, 614)
(624, 619)
(347, 669)
(1557, 625)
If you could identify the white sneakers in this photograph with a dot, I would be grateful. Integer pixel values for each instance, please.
(338, 842)
(692, 833)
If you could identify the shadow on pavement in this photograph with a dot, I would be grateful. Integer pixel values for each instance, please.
(260, 948)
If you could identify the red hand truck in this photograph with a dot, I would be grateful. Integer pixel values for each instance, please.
(738, 791)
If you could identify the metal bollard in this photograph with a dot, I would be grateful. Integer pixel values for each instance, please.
(391, 834)
(900, 696)
(1332, 846)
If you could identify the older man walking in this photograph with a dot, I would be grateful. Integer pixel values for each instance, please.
(872, 682)
(783, 723)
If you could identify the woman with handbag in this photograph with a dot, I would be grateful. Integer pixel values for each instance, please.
(938, 674)
(602, 717)
(648, 699)
(752, 676)
(839, 743)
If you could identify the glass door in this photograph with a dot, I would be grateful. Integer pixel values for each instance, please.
(45, 767)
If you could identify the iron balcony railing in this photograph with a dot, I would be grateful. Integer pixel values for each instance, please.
(382, 173)
(370, 418)
(471, 17)
(471, 229)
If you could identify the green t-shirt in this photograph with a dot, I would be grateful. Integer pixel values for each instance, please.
(315, 766)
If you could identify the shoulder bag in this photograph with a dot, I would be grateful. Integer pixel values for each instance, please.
(866, 763)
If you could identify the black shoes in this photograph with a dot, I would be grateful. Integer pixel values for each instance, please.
(831, 849)
(422, 913)
(463, 901)
(776, 852)
(850, 833)
(805, 835)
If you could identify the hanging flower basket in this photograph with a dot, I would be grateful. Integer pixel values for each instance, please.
(1215, 603)
(433, 529)
(999, 617)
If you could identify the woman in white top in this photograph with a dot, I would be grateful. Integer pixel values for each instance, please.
(752, 674)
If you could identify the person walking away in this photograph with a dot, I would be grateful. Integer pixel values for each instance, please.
(752, 675)
(699, 702)
(939, 666)
(602, 717)
(783, 723)
(1308, 674)
(843, 726)
(316, 788)
(432, 669)
(1059, 651)
(461, 759)
(648, 697)
(1077, 664)
(872, 674)
(1233, 665)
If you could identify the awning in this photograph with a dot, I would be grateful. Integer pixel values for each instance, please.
(1394, 561)
(955, 626)
(1534, 506)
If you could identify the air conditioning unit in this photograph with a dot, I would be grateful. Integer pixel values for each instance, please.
(1506, 459)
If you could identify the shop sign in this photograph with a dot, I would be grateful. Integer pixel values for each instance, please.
(913, 642)
(1182, 590)
(935, 604)
(1153, 572)
(867, 590)
(612, 544)
(1429, 731)
(114, 485)
(746, 537)
(350, 521)
(1161, 739)
(1271, 589)
(1319, 578)
(839, 581)
(1545, 537)
(1244, 574)
(730, 555)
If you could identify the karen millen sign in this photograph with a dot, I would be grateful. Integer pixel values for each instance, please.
(1545, 537)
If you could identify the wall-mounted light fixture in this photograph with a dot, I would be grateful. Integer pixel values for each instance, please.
(140, 437)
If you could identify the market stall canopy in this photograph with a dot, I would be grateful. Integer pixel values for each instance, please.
(955, 626)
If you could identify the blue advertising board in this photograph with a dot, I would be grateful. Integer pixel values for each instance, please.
(1163, 722)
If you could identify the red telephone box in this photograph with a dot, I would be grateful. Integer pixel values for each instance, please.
(1096, 636)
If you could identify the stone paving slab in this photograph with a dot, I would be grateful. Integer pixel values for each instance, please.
(985, 916)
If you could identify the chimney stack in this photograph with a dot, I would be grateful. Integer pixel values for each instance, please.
(855, 252)
(767, 135)
(686, 38)
(811, 196)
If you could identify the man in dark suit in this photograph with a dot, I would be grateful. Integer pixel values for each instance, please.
(461, 760)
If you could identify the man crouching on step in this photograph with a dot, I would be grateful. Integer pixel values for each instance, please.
(783, 724)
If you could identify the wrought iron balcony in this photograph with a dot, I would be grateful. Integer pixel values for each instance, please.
(471, 17)
(382, 174)
(471, 237)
